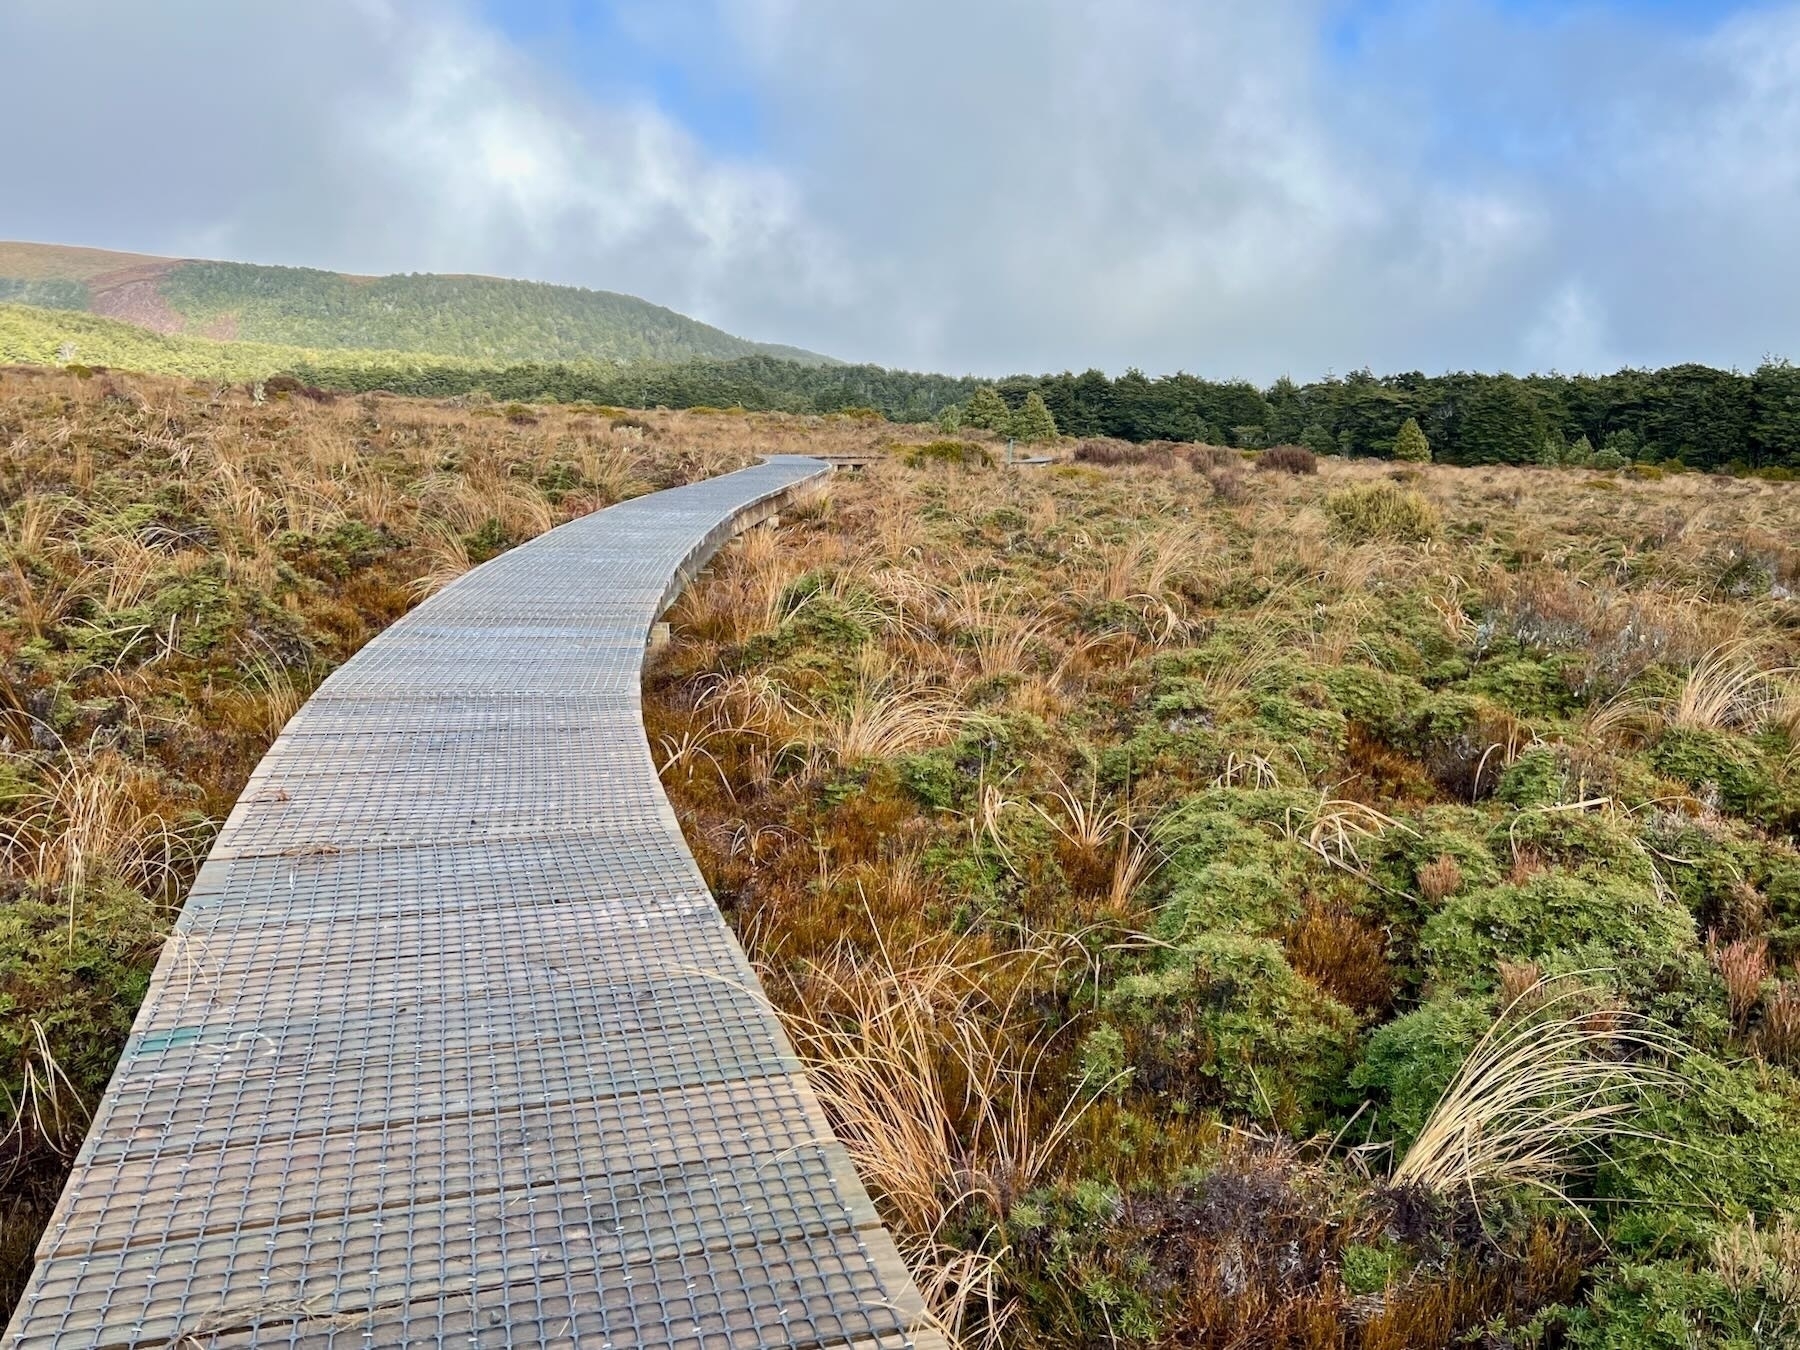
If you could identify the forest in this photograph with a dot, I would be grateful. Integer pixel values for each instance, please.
(486, 318)
(1690, 416)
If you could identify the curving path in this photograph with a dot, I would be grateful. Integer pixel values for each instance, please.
(451, 1044)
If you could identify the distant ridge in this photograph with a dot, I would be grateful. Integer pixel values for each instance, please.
(469, 317)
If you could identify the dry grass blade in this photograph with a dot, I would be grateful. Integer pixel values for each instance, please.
(1082, 821)
(1339, 826)
(1137, 860)
(937, 1099)
(1550, 1080)
(879, 722)
(1726, 688)
(743, 705)
(446, 558)
(272, 690)
(47, 1110)
(96, 814)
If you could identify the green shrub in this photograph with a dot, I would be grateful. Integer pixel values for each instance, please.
(1226, 1021)
(1564, 922)
(82, 985)
(966, 453)
(1672, 1305)
(1410, 1061)
(1410, 445)
(1378, 700)
(1727, 771)
(934, 777)
(1539, 777)
(1101, 1065)
(1381, 511)
(1369, 1269)
(1722, 1146)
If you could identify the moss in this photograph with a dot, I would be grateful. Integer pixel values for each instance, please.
(1539, 777)
(1725, 875)
(815, 621)
(1672, 1305)
(1459, 832)
(1225, 1021)
(1382, 702)
(1409, 1062)
(1726, 771)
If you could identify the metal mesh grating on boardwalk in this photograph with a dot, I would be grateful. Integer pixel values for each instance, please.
(450, 1044)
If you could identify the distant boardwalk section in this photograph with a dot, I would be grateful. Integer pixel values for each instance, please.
(451, 1045)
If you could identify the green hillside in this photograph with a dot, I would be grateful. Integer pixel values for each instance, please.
(46, 337)
(471, 317)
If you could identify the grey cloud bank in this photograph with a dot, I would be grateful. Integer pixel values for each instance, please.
(978, 186)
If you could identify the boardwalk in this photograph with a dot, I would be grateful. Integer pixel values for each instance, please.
(451, 1044)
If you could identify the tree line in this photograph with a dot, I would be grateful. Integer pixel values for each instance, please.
(1696, 415)
(1702, 417)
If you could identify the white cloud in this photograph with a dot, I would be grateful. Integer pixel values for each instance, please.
(978, 184)
(379, 135)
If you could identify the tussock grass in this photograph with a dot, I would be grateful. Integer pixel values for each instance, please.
(1288, 801)
(93, 814)
(1552, 1081)
(940, 1106)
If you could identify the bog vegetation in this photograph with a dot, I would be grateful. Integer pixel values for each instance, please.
(1342, 906)
(1225, 900)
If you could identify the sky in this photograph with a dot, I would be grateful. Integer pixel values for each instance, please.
(1252, 189)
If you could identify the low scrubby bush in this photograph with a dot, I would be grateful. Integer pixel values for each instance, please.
(1294, 459)
(965, 453)
(1113, 454)
(1382, 511)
